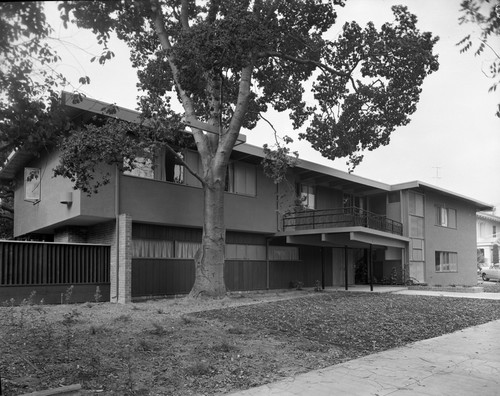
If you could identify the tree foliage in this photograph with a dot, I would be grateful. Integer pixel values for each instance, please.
(367, 81)
(227, 63)
(30, 113)
(485, 14)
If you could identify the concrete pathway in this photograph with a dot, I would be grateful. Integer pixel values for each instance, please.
(466, 362)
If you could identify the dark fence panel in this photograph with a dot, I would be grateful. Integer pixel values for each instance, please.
(243, 275)
(163, 277)
(49, 269)
(160, 277)
(35, 263)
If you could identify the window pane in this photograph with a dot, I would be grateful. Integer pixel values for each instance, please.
(152, 248)
(289, 253)
(452, 218)
(245, 252)
(446, 261)
(143, 167)
(416, 204)
(242, 178)
(416, 227)
(417, 255)
(186, 249)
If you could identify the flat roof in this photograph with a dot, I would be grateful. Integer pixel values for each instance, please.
(87, 105)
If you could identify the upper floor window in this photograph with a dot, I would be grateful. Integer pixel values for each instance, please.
(164, 166)
(446, 217)
(416, 204)
(241, 178)
(32, 177)
(446, 262)
(307, 195)
(494, 231)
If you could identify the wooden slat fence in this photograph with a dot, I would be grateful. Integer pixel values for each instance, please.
(38, 263)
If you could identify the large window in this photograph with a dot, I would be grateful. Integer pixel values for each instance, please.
(417, 249)
(446, 217)
(241, 178)
(245, 252)
(416, 204)
(155, 248)
(416, 211)
(32, 177)
(164, 166)
(307, 195)
(283, 253)
(446, 262)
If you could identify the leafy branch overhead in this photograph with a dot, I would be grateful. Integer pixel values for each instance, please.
(485, 15)
(229, 62)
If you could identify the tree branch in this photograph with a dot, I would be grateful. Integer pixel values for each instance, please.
(184, 14)
(6, 208)
(241, 108)
(184, 163)
(187, 103)
(311, 62)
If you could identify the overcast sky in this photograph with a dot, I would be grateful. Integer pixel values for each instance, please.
(452, 142)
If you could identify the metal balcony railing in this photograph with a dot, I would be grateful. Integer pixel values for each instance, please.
(340, 217)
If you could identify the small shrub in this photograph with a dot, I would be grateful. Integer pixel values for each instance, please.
(158, 329)
(318, 287)
(97, 295)
(237, 330)
(298, 285)
(123, 318)
(94, 329)
(187, 320)
(224, 347)
(68, 294)
(144, 345)
(198, 369)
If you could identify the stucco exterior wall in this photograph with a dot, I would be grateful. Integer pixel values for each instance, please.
(158, 202)
(461, 240)
(33, 217)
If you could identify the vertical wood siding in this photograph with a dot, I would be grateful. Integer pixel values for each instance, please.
(31, 263)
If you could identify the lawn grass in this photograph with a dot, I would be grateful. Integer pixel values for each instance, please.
(157, 348)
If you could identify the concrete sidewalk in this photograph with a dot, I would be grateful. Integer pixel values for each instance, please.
(466, 362)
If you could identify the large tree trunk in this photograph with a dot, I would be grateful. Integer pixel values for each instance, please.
(209, 260)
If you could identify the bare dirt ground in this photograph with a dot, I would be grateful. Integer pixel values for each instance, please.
(211, 347)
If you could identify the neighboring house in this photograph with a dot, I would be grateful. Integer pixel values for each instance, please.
(349, 229)
(488, 238)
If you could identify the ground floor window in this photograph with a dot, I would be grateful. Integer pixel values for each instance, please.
(245, 252)
(283, 253)
(446, 262)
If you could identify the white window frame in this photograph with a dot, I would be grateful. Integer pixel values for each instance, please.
(446, 261)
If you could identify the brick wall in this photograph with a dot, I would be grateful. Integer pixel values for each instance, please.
(71, 235)
(125, 259)
(105, 233)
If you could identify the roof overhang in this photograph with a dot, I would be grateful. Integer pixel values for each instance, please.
(16, 161)
(426, 186)
(353, 237)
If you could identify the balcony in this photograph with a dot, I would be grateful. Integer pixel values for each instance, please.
(340, 217)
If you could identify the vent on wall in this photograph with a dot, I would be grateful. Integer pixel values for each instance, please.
(66, 198)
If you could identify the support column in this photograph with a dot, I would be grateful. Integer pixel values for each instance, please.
(121, 261)
(323, 268)
(370, 266)
(346, 266)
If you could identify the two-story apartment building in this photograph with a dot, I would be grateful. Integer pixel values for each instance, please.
(348, 229)
(488, 238)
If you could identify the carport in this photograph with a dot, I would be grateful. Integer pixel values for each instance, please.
(346, 238)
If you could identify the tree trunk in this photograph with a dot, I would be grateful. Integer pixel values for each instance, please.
(209, 260)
